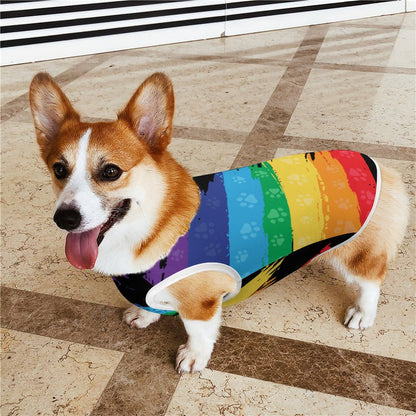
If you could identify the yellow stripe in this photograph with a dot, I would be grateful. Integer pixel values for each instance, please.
(255, 284)
(300, 183)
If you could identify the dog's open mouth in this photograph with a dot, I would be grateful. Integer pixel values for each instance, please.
(81, 249)
(116, 215)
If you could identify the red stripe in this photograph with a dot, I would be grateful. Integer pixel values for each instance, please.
(360, 179)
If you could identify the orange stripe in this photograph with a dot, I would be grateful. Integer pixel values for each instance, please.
(342, 206)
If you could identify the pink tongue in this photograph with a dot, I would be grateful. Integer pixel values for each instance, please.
(81, 249)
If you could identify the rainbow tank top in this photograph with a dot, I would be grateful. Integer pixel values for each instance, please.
(262, 222)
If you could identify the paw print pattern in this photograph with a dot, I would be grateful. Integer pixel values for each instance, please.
(366, 197)
(249, 230)
(305, 200)
(177, 255)
(277, 240)
(213, 249)
(346, 154)
(260, 173)
(213, 202)
(305, 241)
(343, 203)
(241, 256)
(305, 220)
(297, 179)
(339, 184)
(343, 227)
(239, 179)
(274, 193)
(277, 215)
(358, 174)
(204, 230)
(247, 200)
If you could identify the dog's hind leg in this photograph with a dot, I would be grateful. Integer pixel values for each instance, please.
(362, 313)
(364, 260)
(199, 303)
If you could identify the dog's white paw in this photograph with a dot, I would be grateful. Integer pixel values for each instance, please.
(355, 318)
(139, 318)
(189, 360)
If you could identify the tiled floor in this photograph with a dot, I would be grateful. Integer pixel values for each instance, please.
(238, 101)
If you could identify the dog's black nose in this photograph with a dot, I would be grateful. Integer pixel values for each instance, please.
(67, 218)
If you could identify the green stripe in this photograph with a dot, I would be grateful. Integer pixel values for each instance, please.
(276, 216)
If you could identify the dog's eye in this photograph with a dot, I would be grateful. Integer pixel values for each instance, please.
(60, 170)
(111, 173)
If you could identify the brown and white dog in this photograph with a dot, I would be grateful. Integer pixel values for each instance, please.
(125, 202)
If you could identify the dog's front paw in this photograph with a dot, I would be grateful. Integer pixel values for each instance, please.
(136, 317)
(189, 360)
(356, 318)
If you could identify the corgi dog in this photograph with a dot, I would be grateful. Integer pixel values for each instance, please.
(129, 208)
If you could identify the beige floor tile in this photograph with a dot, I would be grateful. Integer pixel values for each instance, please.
(201, 157)
(204, 91)
(403, 53)
(213, 393)
(355, 45)
(44, 376)
(392, 114)
(279, 45)
(15, 79)
(356, 106)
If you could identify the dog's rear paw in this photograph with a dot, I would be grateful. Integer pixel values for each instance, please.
(355, 318)
(136, 317)
(189, 360)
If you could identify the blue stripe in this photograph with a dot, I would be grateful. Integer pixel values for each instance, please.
(248, 243)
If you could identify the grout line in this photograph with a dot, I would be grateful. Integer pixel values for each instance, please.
(11, 108)
(262, 142)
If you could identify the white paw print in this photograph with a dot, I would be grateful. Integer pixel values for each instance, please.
(241, 256)
(276, 215)
(277, 240)
(297, 179)
(247, 200)
(274, 193)
(177, 255)
(213, 249)
(239, 179)
(204, 230)
(249, 230)
(213, 202)
(305, 200)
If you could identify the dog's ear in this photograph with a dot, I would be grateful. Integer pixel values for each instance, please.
(50, 108)
(150, 112)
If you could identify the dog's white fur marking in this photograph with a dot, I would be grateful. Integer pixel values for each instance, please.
(195, 354)
(363, 312)
(78, 192)
(138, 317)
(147, 193)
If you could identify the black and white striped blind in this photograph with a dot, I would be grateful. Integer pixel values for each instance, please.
(33, 30)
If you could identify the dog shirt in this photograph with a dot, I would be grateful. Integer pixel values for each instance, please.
(262, 222)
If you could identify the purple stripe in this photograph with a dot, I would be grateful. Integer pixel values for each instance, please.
(177, 260)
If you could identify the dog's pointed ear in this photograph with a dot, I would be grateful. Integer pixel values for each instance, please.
(150, 112)
(50, 108)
